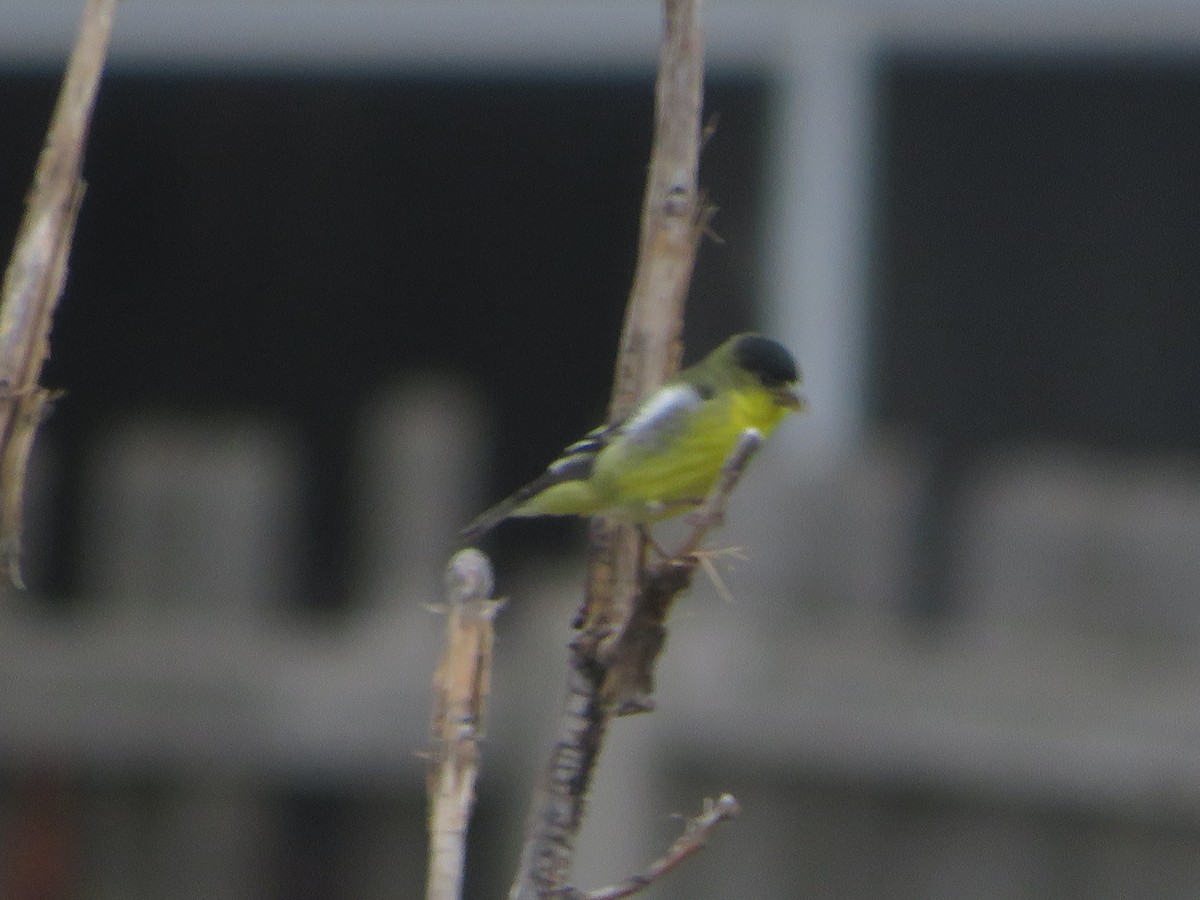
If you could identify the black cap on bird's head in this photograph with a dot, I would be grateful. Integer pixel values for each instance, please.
(769, 360)
(771, 364)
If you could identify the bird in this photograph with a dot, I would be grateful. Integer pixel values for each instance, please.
(666, 455)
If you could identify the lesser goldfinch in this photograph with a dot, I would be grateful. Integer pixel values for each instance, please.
(667, 454)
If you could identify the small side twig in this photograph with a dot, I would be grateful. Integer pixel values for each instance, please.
(692, 841)
(33, 281)
(461, 684)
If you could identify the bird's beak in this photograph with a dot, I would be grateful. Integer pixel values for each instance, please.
(791, 400)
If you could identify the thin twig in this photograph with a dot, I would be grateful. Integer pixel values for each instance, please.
(692, 841)
(461, 684)
(36, 272)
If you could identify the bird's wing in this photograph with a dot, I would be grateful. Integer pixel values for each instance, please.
(663, 414)
(661, 417)
(647, 430)
(650, 426)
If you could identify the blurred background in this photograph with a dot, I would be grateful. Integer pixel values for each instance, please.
(348, 272)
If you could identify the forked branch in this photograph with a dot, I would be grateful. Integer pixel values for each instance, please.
(621, 627)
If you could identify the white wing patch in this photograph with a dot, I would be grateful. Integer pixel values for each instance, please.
(662, 414)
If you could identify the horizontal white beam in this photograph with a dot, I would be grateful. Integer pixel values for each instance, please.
(522, 34)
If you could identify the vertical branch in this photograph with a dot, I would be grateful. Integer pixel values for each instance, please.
(461, 683)
(557, 816)
(34, 279)
(673, 219)
(650, 340)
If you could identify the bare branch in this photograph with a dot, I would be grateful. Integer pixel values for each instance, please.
(34, 279)
(674, 218)
(692, 841)
(461, 684)
(558, 809)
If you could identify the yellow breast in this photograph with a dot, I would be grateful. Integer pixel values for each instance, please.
(656, 483)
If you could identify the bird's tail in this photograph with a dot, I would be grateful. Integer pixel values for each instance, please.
(487, 520)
